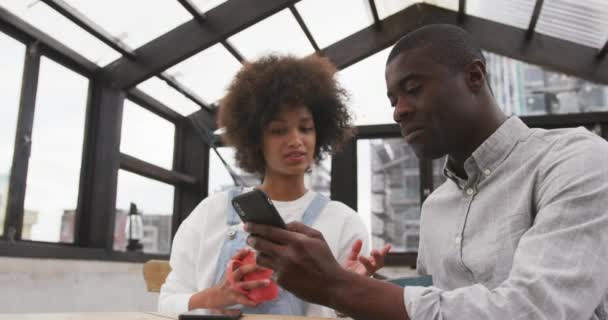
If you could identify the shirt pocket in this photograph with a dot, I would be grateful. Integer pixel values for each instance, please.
(494, 257)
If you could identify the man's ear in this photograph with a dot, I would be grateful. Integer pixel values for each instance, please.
(475, 75)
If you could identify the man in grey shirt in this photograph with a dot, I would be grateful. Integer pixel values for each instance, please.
(518, 231)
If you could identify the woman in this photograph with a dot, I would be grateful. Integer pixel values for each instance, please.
(282, 114)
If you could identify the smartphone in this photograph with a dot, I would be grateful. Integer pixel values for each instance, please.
(206, 314)
(256, 207)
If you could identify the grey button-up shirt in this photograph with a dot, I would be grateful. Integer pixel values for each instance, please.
(524, 236)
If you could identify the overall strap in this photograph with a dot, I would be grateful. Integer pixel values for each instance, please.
(314, 209)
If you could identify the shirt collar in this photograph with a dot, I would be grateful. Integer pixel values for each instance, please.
(494, 150)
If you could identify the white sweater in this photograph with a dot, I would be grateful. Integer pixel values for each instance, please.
(199, 239)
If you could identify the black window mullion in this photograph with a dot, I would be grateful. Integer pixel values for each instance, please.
(23, 138)
(99, 174)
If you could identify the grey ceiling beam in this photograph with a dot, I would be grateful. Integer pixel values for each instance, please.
(602, 53)
(304, 27)
(89, 26)
(190, 38)
(573, 59)
(534, 19)
(151, 104)
(235, 53)
(201, 18)
(190, 7)
(374, 9)
(462, 10)
(173, 83)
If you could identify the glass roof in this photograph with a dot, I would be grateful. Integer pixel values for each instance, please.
(55, 25)
(583, 22)
(366, 85)
(390, 7)
(279, 33)
(161, 91)
(134, 22)
(331, 21)
(207, 73)
(206, 5)
(516, 13)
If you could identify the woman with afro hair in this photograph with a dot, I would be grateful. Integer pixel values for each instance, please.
(282, 115)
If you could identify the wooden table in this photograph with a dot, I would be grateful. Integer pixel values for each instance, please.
(128, 316)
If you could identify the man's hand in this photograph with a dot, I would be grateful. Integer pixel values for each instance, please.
(305, 266)
(300, 257)
(365, 266)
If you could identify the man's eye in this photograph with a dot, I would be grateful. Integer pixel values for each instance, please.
(413, 89)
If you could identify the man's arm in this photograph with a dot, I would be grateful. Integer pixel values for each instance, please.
(305, 266)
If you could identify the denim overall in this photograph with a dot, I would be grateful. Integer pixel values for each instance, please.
(285, 303)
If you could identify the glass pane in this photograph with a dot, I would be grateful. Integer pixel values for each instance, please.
(279, 33)
(57, 138)
(134, 22)
(389, 7)
(366, 85)
(206, 5)
(319, 179)
(207, 73)
(331, 21)
(584, 22)
(147, 136)
(11, 69)
(516, 13)
(154, 199)
(161, 91)
(55, 25)
(219, 176)
(388, 180)
(525, 89)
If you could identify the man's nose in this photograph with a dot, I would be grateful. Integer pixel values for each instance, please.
(403, 110)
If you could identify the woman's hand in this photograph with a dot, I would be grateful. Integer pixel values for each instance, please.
(365, 266)
(226, 294)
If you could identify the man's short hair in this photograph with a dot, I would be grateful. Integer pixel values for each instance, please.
(448, 45)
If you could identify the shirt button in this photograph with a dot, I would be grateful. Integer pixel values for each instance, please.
(470, 191)
(487, 172)
(457, 240)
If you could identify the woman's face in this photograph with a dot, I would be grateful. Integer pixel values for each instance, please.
(289, 141)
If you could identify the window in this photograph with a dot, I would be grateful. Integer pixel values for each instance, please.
(11, 70)
(279, 33)
(366, 85)
(332, 21)
(54, 165)
(525, 89)
(207, 73)
(154, 200)
(147, 136)
(162, 92)
(388, 177)
(219, 176)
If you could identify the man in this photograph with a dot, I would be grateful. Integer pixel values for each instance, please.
(518, 231)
